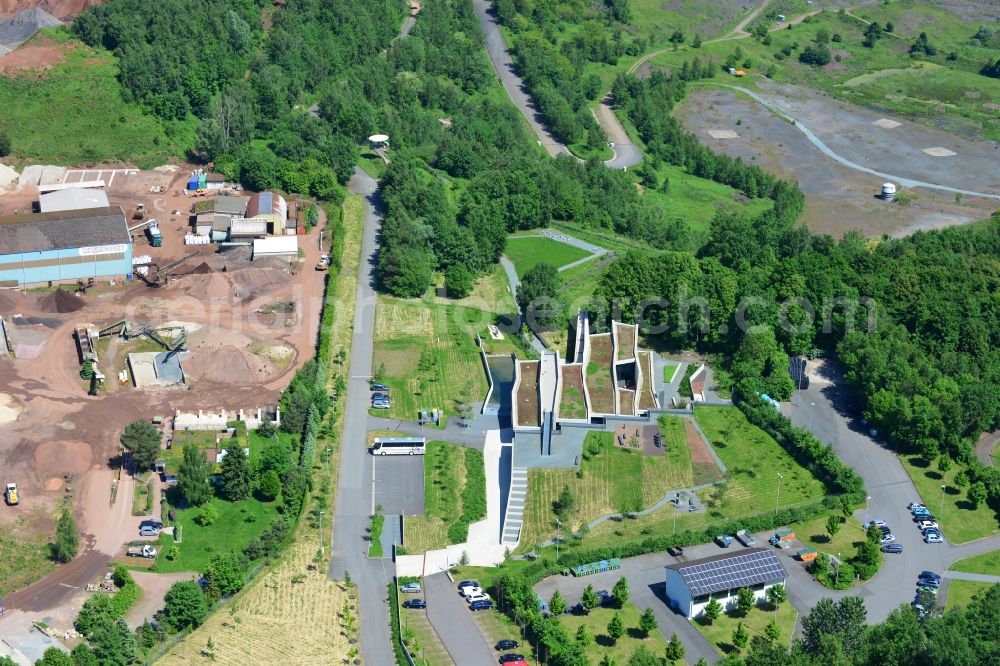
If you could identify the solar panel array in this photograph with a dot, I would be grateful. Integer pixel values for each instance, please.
(732, 572)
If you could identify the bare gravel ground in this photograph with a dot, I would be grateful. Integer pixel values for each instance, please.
(839, 199)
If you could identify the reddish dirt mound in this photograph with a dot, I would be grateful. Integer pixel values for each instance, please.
(31, 58)
(53, 483)
(58, 8)
(254, 282)
(697, 446)
(228, 365)
(201, 269)
(63, 457)
(60, 301)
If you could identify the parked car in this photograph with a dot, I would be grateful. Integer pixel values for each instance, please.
(892, 548)
(927, 582)
(885, 529)
(915, 505)
(381, 405)
(929, 575)
(410, 588)
(478, 596)
(933, 538)
(929, 589)
(380, 396)
(414, 603)
(155, 524)
(676, 551)
(924, 516)
(724, 540)
(149, 531)
(888, 538)
(505, 644)
(470, 589)
(378, 387)
(924, 524)
(480, 605)
(467, 583)
(878, 522)
(510, 657)
(920, 511)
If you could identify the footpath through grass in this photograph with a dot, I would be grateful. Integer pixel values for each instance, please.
(959, 521)
(75, 113)
(754, 461)
(454, 497)
(526, 252)
(610, 480)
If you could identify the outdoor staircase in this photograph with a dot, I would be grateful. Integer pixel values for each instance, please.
(515, 507)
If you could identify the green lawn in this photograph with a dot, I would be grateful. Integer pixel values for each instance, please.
(960, 592)
(579, 284)
(24, 558)
(599, 490)
(754, 461)
(958, 520)
(668, 372)
(428, 357)
(987, 563)
(447, 482)
(597, 621)
(83, 98)
(525, 252)
(720, 632)
(238, 522)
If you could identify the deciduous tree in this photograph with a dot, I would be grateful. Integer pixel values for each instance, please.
(142, 439)
(616, 628)
(185, 605)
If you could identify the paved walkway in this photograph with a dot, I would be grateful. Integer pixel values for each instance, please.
(452, 619)
(979, 578)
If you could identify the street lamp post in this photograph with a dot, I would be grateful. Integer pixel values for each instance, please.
(322, 547)
(867, 500)
(558, 525)
(811, 405)
(941, 509)
(777, 497)
(836, 580)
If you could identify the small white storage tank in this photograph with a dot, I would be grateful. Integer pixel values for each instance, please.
(888, 191)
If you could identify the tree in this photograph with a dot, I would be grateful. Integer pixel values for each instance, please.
(647, 622)
(224, 575)
(142, 439)
(616, 628)
(816, 55)
(192, 477)
(557, 605)
(696, 42)
(977, 494)
(832, 525)
(269, 486)
(563, 506)
(844, 620)
(83, 656)
(267, 429)
(608, 661)
(537, 295)
(675, 650)
(771, 631)
(113, 643)
(185, 605)
(95, 610)
(740, 636)
(67, 541)
(589, 599)
(642, 656)
(583, 636)
(620, 592)
(459, 280)
(713, 610)
(889, 27)
(207, 515)
(54, 657)
(776, 595)
(121, 576)
(235, 474)
(745, 600)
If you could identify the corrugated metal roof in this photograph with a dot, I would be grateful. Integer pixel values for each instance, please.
(63, 230)
(275, 245)
(730, 571)
(72, 199)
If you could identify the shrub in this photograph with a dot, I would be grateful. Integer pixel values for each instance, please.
(207, 515)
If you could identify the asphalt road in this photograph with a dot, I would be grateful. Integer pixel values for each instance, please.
(626, 153)
(827, 409)
(355, 488)
(399, 484)
(453, 621)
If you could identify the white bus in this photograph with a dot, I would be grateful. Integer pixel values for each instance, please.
(399, 446)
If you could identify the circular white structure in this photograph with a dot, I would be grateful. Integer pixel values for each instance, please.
(378, 138)
(888, 191)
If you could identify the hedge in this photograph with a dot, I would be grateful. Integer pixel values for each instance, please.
(397, 640)
(124, 598)
(473, 497)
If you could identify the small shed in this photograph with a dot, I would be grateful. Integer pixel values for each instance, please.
(276, 246)
(220, 228)
(215, 181)
(248, 227)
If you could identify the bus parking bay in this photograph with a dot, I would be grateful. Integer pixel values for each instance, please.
(399, 484)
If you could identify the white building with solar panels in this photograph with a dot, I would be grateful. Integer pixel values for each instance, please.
(691, 585)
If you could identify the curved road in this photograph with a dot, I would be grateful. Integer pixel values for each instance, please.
(626, 153)
(826, 150)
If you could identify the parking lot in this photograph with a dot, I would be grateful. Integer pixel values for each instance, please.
(399, 484)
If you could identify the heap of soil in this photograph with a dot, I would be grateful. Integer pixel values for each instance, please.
(201, 269)
(229, 365)
(62, 457)
(60, 301)
(254, 282)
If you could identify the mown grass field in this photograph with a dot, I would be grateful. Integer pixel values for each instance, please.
(526, 252)
(720, 632)
(75, 112)
(958, 520)
(447, 481)
(754, 461)
(491, 294)
(597, 621)
(428, 357)
(987, 563)
(961, 592)
(614, 480)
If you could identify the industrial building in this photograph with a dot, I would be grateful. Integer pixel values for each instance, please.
(75, 198)
(276, 246)
(271, 207)
(59, 246)
(692, 585)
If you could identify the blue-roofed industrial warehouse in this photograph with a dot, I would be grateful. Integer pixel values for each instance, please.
(691, 585)
(62, 246)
